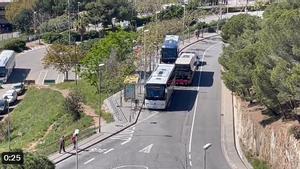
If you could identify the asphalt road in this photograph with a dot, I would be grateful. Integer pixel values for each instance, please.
(171, 139)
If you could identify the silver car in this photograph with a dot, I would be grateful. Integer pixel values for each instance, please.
(19, 88)
(10, 96)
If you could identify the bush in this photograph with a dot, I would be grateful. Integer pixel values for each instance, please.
(57, 24)
(51, 37)
(18, 45)
(86, 46)
(295, 130)
(91, 35)
(73, 104)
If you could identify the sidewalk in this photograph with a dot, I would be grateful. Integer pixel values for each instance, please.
(125, 116)
(230, 143)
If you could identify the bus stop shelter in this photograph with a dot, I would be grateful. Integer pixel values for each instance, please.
(130, 83)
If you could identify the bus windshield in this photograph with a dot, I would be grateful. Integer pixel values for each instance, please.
(155, 92)
(169, 53)
(3, 71)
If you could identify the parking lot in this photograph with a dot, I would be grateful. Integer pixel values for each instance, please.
(29, 67)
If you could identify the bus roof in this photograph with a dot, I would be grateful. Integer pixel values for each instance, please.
(185, 59)
(171, 41)
(4, 57)
(161, 74)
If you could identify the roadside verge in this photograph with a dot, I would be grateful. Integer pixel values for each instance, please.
(229, 142)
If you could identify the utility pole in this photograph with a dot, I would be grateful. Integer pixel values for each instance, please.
(69, 24)
(100, 79)
(145, 60)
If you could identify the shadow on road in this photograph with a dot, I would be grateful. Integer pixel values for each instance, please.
(182, 100)
(18, 75)
(207, 79)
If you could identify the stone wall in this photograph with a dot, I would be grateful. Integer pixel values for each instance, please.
(267, 138)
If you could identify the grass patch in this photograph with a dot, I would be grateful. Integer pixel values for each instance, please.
(31, 119)
(257, 163)
(90, 95)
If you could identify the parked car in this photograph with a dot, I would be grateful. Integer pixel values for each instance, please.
(19, 88)
(10, 96)
(3, 106)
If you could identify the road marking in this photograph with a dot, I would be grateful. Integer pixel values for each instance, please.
(129, 139)
(45, 77)
(146, 149)
(90, 160)
(195, 110)
(108, 151)
(56, 81)
(134, 166)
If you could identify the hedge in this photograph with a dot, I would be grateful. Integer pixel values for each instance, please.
(18, 45)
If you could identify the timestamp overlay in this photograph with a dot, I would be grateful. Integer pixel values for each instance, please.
(12, 158)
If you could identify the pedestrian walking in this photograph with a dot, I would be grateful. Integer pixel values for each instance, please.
(74, 140)
(62, 144)
(197, 33)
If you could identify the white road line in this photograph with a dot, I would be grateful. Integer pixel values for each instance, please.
(129, 139)
(191, 163)
(195, 110)
(147, 149)
(190, 156)
(132, 166)
(45, 77)
(56, 81)
(90, 160)
(108, 151)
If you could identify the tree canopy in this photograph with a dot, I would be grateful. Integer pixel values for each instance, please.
(261, 62)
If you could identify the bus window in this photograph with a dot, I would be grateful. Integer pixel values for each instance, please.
(3, 71)
(155, 92)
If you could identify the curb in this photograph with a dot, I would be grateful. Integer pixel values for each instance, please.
(115, 133)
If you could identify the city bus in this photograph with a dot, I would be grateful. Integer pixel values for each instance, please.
(159, 87)
(170, 49)
(185, 68)
(7, 64)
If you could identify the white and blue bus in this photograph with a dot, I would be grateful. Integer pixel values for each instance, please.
(7, 64)
(170, 49)
(159, 87)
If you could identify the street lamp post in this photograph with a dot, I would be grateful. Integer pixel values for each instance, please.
(100, 76)
(8, 121)
(78, 4)
(145, 60)
(205, 147)
(69, 22)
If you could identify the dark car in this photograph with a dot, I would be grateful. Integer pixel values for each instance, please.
(3, 106)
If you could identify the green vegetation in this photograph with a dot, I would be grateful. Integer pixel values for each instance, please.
(40, 120)
(256, 163)
(261, 63)
(16, 44)
(32, 161)
(62, 58)
(73, 104)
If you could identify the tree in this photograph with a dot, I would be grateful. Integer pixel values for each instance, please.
(114, 50)
(15, 8)
(73, 105)
(81, 24)
(103, 11)
(236, 26)
(62, 57)
(23, 21)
